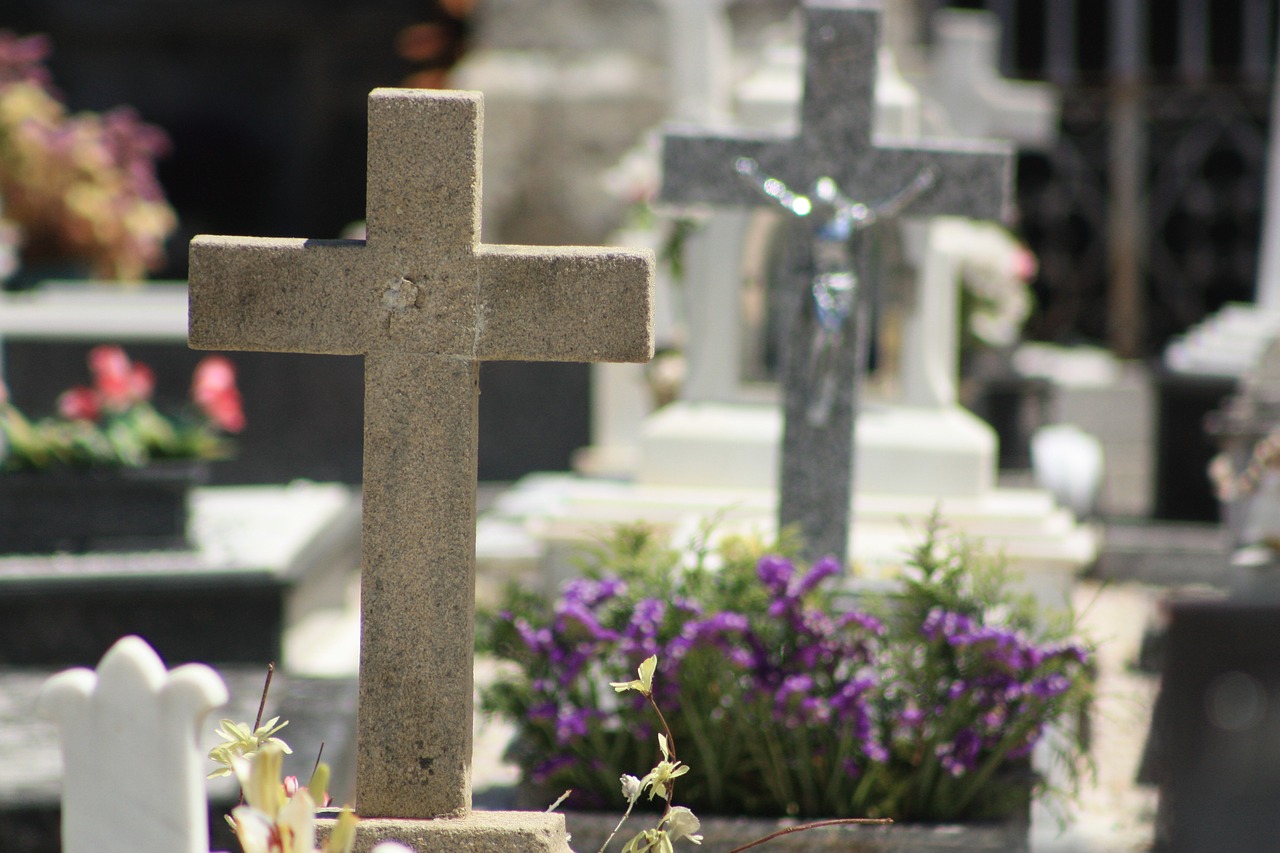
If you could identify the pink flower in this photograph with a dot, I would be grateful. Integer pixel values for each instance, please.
(291, 786)
(119, 382)
(1025, 264)
(214, 390)
(79, 404)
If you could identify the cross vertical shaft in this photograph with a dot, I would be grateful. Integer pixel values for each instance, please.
(417, 591)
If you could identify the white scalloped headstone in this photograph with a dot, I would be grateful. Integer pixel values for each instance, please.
(133, 770)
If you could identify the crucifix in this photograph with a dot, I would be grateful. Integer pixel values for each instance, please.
(424, 302)
(836, 154)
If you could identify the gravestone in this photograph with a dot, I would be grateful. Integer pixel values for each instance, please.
(424, 302)
(133, 763)
(1214, 749)
(835, 142)
(133, 772)
(1205, 363)
(705, 463)
(699, 65)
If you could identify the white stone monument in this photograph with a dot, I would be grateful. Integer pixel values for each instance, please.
(962, 76)
(133, 768)
(133, 771)
(719, 459)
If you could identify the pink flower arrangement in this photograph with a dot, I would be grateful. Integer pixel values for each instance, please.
(114, 422)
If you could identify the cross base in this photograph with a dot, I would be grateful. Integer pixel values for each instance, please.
(478, 832)
(938, 452)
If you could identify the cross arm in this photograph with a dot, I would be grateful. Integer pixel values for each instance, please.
(565, 304)
(274, 295)
(970, 179)
(698, 168)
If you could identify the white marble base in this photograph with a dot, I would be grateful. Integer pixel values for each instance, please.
(556, 516)
(900, 450)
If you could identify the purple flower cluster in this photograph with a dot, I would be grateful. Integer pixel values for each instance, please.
(770, 685)
(999, 682)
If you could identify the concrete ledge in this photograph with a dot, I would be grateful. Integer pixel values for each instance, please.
(478, 832)
(723, 834)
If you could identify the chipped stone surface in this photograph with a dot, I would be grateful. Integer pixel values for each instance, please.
(423, 301)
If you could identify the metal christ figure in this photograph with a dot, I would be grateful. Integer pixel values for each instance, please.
(835, 219)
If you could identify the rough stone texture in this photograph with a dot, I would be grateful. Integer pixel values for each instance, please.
(423, 301)
(835, 140)
(478, 832)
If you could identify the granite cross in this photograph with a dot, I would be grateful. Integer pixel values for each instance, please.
(835, 142)
(424, 302)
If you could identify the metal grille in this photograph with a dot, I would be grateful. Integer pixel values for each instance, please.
(1147, 212)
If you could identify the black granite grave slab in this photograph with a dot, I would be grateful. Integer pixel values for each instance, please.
(1183, 445)
(260, 554)
(1215, 742)
(231, 618)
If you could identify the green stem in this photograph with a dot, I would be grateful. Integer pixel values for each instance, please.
(625, 815)
(993, 762)
(804, 772)
(671, 745)
(707, 758)
(865, 821)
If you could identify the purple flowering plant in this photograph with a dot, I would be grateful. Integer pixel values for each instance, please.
(788, 699)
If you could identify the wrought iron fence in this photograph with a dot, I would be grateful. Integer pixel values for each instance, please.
(1146, 214)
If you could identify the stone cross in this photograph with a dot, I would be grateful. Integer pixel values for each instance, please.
(133, 771)
(700, 47)
(835, 142)
(424, 302)
(964, 77)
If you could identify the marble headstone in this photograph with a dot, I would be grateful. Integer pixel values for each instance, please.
(133, 772)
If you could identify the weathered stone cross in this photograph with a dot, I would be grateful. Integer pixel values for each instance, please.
(424, 301)
(835, 142)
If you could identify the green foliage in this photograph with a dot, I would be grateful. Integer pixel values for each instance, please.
(785, 699)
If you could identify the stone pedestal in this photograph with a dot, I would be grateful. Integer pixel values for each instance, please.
(901, 450)
(559, 517)
(478, 832)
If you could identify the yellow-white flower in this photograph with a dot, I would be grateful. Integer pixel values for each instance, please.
(243, 742)
(644, 684)
(682, 823)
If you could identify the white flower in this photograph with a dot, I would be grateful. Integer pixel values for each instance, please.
(995, 271)
(631, 787)
(682, 823)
